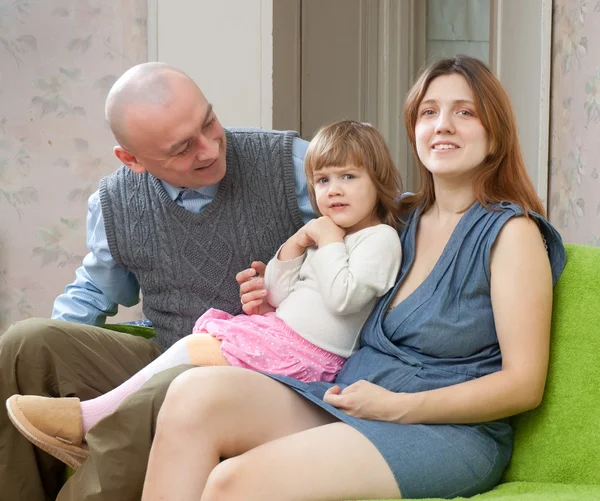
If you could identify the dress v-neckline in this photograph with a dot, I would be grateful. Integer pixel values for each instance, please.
(444, 256)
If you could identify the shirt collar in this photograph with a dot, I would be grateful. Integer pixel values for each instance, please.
(204, 191)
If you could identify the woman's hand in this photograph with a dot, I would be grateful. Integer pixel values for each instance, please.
(252, 289)
(367, 401)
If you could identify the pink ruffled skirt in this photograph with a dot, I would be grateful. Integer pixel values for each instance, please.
(265, 343)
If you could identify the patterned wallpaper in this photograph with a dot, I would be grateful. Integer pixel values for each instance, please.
(575, 121)
(59, 58)
(57, 61)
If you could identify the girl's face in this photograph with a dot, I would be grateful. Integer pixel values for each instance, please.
(347, 195)
(450, 139)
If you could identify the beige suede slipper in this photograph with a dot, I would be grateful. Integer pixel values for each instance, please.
(52, 424)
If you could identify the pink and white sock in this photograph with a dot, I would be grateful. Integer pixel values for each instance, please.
(94, 410)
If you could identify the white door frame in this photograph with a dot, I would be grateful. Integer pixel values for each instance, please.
(225, 46)
(520, 54)
(152, 26)
(401, 55)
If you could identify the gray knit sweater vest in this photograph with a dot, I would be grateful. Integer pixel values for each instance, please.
(186, 263)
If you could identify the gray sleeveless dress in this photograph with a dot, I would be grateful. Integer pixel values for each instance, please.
(442, 334)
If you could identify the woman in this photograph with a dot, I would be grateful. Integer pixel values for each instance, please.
(457, 346)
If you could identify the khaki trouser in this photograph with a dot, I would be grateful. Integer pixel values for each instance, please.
(59, 359)
(120, 447)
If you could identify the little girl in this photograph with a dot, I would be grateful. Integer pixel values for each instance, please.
(324, 282)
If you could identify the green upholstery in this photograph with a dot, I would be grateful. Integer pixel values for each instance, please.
(536, 491)
(559, 442)
(135, 330)
(557, 446)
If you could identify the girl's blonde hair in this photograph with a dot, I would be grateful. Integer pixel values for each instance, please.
(360, 144)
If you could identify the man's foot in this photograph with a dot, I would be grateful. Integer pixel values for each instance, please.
(52, 424)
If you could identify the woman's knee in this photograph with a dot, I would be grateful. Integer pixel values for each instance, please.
(229, 481)
(197, 397)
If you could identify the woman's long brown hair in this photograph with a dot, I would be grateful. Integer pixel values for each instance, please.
(502, 174)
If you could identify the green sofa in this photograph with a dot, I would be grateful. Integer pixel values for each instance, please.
(557, 446)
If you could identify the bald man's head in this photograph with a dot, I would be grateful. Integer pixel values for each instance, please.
(166, 127)
(149, 84)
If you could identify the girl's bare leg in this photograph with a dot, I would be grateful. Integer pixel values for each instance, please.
(204, 350)
(282, 446)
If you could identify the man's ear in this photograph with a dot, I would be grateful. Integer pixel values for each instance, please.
(129, 160)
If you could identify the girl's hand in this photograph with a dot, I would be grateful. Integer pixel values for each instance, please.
(367, 401)
(252, 289)
(323, 231)
(302, 238)
(319, 232)
(295, 246)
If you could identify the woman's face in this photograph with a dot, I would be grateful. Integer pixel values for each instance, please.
(450, 139)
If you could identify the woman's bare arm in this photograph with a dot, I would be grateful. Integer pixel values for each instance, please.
(521, 291)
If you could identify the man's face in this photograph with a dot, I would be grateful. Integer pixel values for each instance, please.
(181, 143)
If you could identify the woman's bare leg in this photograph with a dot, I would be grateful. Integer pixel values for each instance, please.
(214, 413)
(332, 462)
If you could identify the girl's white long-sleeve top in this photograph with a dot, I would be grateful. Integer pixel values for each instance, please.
(326, 294)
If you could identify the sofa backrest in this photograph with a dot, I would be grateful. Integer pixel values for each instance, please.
(560, 440)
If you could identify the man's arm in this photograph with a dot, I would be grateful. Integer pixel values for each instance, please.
(100, 284)
(299, 147)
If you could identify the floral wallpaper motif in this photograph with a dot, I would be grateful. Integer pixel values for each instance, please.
(60, 57)
(575, 121)
(58, 61)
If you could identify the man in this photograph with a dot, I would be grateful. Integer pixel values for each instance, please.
(192, 205)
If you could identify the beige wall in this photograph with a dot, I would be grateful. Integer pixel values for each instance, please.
(226, 46)
(575, 121)
(58, 59)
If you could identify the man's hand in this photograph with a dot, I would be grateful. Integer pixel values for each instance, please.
(252, 289)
